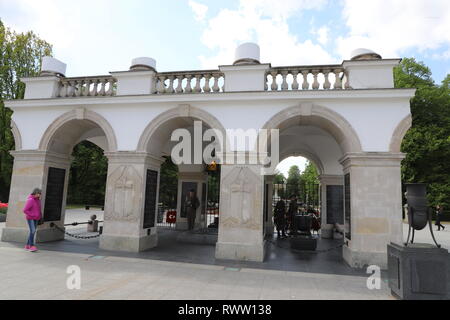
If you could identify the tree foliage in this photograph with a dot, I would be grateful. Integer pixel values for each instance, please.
(293, 181)
(427, 143)
(20, 56)
(88, 171)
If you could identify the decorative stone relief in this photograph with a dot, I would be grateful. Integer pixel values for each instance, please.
(241, 199)
(126, 184)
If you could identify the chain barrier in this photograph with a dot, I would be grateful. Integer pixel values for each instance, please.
(76, 236)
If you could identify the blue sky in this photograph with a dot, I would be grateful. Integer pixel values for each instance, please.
(98, 36)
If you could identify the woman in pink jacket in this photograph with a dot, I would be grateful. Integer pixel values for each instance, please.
(33, 214)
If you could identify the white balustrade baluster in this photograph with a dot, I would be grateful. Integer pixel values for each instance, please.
(161, 85)
(338, 82)
(305, 84)
(188, 88)
(102, 87)
(78, 87)
(110, 91)
(295, 84)
(197, 88)
(326, 84)
(274, 86)
(315, 84)
(179, 88)
(170, 88)
(206, 87)
(95, 88)
(284, 84)
(216, 82)
(84, 87)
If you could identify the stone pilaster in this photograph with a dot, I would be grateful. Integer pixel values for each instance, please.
(124, 228)
(196, 175)
(325, 181)
(30, 171)
(375, 205)
(241, 234)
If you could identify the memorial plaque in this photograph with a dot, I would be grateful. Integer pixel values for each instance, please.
(54, 194)
(185, 188)
(348, 212)
(151, 185)
(335, 204)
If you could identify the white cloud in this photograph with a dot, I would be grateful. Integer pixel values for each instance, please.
(390, 27)
(264, 22)
(199, 10)
(322, 34)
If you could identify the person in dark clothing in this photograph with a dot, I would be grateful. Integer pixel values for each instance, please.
(280, 218)
(439, 214)
(191, 205)
(292, 212)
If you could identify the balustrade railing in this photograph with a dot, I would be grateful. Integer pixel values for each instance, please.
(204, 81)
(330, 77)
(87, 86)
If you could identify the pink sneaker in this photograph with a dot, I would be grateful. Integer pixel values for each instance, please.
(33, 249)
(27, 247)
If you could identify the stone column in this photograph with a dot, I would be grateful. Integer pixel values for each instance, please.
(196, 175)
(131, 202)
(269, 223)
(373, 183)
(325, 181)
(241, 234)
(30, 170)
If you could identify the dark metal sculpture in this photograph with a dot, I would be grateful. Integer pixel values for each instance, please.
(419, 213)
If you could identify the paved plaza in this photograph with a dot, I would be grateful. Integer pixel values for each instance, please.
(182, 271)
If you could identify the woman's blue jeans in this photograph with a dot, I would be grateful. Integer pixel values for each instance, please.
(32, 225)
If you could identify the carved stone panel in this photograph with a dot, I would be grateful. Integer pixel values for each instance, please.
(242, 199)
(126, 184)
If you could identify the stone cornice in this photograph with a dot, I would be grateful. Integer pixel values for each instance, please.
(37, 155)
(372, 159)
(134, 157)
(311, 95)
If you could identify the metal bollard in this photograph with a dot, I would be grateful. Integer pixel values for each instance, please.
(93, 224)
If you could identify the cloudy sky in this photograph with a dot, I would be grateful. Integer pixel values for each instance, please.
(98, 36)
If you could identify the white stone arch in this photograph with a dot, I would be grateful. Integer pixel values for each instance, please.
(399, 133)
(322, 117)
(79, 114)
(17, 136)
(183, 111)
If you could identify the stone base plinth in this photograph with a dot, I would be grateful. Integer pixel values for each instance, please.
(358, 259)
(240, 252)
(10, 234)
(418, 272)
(127, 243)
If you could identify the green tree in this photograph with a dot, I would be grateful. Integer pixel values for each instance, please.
(20, 56)
(310, 184)
(293, 181)
(88, 171)
(168, 184)
(427, 143)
